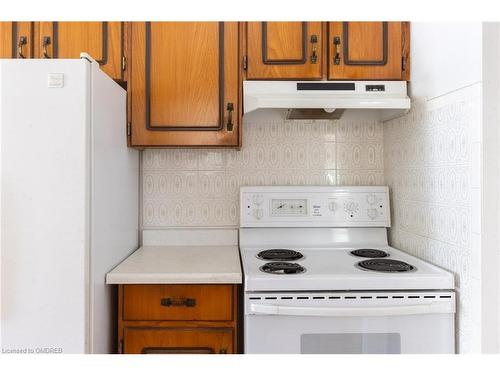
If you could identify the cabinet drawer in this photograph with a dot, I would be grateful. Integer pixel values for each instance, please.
(178, 302)
(138, 340)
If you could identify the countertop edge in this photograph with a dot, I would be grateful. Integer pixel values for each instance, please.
(166, 278)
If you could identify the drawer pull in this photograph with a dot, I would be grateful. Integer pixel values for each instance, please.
(170, 302)
(177, 351)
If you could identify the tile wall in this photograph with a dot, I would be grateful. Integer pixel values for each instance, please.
(200, 187)
(432, 166)
(429, 158)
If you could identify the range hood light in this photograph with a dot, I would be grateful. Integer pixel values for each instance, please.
(329, 110)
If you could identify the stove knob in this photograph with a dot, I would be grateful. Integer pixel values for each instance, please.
(332, 206)
(351, 206)
(258, 213)
(258, 199)
(372, 213)
(371, 199)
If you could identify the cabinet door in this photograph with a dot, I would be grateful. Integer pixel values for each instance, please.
(284, 50)
(101, 40)
(367, 50)
(16, 40)
(173, 340)
(184, 85)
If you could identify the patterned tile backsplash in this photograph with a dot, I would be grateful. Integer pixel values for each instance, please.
(429, 158)
(431, 168)
(200, 187)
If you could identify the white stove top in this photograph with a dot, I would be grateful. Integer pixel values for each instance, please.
(325, 223)
(335, 269)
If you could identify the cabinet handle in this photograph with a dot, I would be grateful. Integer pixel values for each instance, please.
(45, 43)
(169, 302)
(22, 41)
(186, 350)
(336, 43)
(230, 109)
(223, 351)
(314, 46)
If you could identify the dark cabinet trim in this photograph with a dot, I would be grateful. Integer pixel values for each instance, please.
(14, 40)
(268, 61)
(347, 61)
(220, 121)
(104, 53)
(122, 50)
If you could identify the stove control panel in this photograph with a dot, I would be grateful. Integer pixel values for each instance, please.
(314, 206)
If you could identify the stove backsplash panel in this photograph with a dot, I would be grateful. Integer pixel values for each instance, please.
(200, 187)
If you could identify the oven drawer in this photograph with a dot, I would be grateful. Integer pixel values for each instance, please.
(207, 302)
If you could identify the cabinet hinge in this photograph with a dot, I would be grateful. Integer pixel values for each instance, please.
(124, 63)
(129, 129)
(245, 63)
(120, 347)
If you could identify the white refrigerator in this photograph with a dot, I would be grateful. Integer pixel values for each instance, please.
(69, 203)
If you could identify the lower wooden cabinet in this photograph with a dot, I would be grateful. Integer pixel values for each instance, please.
(175, 319)
(177, 340)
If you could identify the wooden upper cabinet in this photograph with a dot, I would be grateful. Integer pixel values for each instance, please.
(185, 84)
(16, 40)
(66, 40)
(368, 50)
(284, 50)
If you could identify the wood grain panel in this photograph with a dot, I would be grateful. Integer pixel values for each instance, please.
(361, 50)
(101, 40)
(366, 41)
(178, 340)
(10, 34)
(184, 133)
(283, 50)
(185, 71)
(211, 302)
(6, 40)
(285, 41)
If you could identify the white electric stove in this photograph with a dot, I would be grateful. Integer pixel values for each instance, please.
(321, 278)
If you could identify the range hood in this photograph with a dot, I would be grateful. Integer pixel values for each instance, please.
(327, 99)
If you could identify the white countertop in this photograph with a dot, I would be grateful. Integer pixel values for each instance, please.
(179, 265)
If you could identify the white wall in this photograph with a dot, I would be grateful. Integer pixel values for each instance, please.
(491, 189)
(445, 56)
(432, 163)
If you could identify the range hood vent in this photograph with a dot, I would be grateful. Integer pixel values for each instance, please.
(327, 99)
(314, 114)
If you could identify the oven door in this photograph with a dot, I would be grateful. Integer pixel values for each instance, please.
(350, 323)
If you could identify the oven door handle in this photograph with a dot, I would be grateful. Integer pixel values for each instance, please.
(430, 308)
